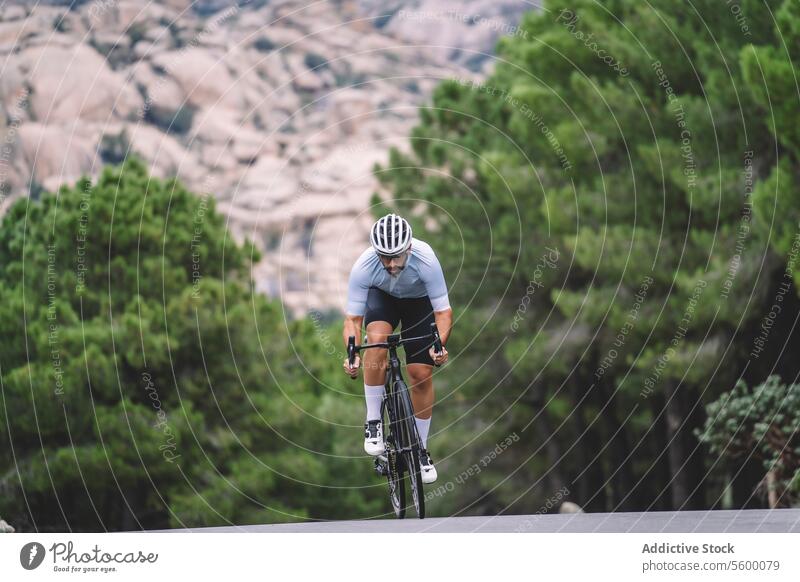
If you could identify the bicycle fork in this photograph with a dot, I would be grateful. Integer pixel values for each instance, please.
(382, 461)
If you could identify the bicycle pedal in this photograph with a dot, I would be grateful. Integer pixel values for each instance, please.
(380, 467)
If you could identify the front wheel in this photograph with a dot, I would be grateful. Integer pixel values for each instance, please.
(394, 474)
(415, 481)
(410, 444)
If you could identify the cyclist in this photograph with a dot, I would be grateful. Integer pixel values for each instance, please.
(398, 280)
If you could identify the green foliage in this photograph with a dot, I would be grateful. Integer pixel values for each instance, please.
(764, 424)
(770, 76)
(640, 176)
(614, 233)
(146, 385)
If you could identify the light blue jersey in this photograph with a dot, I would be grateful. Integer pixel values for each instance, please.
(421, 276)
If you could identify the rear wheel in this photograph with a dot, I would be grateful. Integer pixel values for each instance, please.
(410, 441)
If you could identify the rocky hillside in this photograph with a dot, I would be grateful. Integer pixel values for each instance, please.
(463, 31)
(278, 109)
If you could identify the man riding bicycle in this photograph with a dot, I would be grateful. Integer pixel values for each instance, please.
(398, 280)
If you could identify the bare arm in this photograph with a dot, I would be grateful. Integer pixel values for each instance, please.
(444, 321)
(352, 326)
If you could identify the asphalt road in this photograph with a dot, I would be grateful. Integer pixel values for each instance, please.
(719, 521)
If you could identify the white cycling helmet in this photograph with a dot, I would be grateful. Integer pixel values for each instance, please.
(390, 235)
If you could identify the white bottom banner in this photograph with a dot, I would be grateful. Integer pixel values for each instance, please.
(408, 557)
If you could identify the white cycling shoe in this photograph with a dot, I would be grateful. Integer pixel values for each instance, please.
(426, 469)
(373, 438)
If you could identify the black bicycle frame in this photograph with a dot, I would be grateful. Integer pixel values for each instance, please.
(402, 425)
(393, 341)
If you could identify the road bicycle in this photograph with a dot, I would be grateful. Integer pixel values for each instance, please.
(400, 435)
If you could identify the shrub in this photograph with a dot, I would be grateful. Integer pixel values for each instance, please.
(177, 122)
(763, 424)
(114, 148)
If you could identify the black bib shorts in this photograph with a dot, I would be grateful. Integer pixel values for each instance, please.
(415, 315)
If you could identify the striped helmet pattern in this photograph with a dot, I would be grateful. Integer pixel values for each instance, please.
(391, 235)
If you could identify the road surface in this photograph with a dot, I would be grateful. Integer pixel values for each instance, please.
(717, 521)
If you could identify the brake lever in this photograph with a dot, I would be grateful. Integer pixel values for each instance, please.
(351, 353)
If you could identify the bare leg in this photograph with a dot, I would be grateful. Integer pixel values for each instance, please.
(375, 358)
(420, 376)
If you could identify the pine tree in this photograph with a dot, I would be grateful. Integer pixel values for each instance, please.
(594, 203)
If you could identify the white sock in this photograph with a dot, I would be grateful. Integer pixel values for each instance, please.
(423, 426)
(374, 397)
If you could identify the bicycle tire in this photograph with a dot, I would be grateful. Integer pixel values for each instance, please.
(394, 477)
(410, 440)
(394, 464)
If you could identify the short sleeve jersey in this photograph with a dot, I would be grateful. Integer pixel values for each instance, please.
(421, 276)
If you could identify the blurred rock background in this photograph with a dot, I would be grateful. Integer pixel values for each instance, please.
(279, 109)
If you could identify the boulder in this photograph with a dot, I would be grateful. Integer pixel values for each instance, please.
(464, 30)
(203, 78)
(157, 34)
(214, 38)
(248, 145)
(55, 39)
(309, 81)
(218, 157)
(75, 82)
(215, 126)
(127, 13)
(109, 39)
(12, 12)
(179, 5)
(166, 155)
(282, 36)
(14, 34)
(273, 178)
(570, 507)
(161, 91)
(350, 109)
(54, 154)
(53, 183)
(273, 70)
(143, 49)
(241, 140)
(350, 163)
(14, 95)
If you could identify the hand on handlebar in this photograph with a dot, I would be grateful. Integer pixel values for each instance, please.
(352, 371)
(438, 358)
